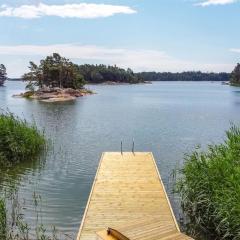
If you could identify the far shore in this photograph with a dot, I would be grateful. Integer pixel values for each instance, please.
(119, 83)
(102, 83)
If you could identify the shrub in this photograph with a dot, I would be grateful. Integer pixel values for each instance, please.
(18, 140)
(209, 187)
(28, 94)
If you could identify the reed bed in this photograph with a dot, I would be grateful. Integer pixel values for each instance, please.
(3, 219)
(18, 140)
(15, 226)
(209, 187)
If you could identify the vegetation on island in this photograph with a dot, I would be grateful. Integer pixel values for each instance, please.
(19, 140)
(3, 74)
(209, 187)
(184, 76)
(54, 71)
(235, 76)
(55, 79)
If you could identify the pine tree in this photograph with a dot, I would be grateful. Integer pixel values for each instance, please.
(235, 75)
(3, 74)
(54, 71)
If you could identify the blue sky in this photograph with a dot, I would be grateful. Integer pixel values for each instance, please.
(146, 35)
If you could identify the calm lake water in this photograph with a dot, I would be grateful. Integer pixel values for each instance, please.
(167, 118)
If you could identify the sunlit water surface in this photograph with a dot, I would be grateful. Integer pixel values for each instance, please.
(167, 118)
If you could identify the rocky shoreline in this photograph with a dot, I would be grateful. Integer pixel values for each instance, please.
(55, 94)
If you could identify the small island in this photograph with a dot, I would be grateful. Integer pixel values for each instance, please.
(57, 79)
(55, 94)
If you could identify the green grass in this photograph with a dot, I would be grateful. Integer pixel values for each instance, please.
(18, 140)
(209, 187)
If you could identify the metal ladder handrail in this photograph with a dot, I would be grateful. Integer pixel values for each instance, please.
(133, 146)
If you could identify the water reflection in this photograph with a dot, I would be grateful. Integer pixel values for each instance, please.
(168, 119)
(12, 177)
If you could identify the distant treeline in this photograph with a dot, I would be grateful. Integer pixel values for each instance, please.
(58, 71)
(103, 73)
(184, 76)
(98, 74)
(14, 79)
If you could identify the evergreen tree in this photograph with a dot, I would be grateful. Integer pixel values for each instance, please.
(184, 76)
(235, 75)
(3, 74)
(54, 71)
(102, 73)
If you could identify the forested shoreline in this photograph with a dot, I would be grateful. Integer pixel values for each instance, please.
(184, 76)
(103, 73)
(58, 71)
(97, 74)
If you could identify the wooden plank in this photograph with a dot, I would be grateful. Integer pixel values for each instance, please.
(126, 189)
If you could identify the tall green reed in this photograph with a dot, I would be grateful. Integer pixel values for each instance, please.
(209, 188)
(3, 220)
(19, 140)
(14, 224)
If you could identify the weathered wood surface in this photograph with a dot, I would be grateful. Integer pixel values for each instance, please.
(127, 188)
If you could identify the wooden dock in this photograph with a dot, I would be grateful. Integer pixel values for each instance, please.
(128, 201)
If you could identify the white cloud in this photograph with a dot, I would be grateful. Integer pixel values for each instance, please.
(81, 10)
(235, 50)
(215, 2)
(138, 60)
